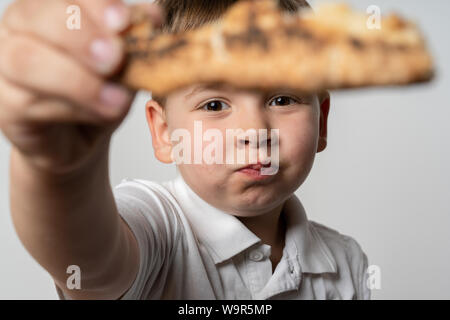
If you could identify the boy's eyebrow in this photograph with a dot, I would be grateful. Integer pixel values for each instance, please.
(220, 85)
(203, 87)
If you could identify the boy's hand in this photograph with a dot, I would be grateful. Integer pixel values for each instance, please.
(56, 105)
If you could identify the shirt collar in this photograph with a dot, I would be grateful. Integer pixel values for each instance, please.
(226, 236)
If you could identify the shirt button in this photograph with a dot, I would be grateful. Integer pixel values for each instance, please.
(256, 255)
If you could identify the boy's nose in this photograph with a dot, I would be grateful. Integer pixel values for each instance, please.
(254, 143)
(253, 118)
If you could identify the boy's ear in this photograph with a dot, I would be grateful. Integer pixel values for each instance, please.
(324, 101)
(157, 123)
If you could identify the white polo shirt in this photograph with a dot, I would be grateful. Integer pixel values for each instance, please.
(192, 250)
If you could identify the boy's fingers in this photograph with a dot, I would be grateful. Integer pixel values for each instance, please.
(48, 111)
(59, 111)
(69, 28)
(154, 11)
(112, 15)
(14, 96)
(116, 16)
(49, 72)
(19, 105)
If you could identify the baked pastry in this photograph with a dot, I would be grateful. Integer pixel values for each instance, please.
(256, 44)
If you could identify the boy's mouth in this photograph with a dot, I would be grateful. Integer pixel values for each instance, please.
(255, 166)
(253, 171)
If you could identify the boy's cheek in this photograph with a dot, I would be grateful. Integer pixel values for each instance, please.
(298, 143)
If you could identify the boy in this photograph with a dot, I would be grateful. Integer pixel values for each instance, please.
(217, 231)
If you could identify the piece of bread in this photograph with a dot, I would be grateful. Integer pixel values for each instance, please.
(257, 45)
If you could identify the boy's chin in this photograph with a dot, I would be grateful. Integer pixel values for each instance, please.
(247, 208)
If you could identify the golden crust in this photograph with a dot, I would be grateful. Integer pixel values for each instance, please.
(255, 44)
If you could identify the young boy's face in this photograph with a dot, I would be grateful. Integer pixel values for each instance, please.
(301, 121)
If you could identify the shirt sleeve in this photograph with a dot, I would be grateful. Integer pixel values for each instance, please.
(154, 221)
(364, 291)
(358, 265)
(152, 218)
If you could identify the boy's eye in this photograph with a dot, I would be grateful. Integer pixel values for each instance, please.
(283, 101)
(215, 105)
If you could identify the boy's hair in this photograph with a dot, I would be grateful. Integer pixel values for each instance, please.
(183, 15)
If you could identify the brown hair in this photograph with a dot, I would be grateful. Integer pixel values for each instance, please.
(183, 15)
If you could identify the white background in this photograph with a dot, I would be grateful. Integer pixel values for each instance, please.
(383, 179)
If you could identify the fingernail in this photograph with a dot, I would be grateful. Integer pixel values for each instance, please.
(117, 17)
(114, 99)
(158, 14)
(106, 54)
